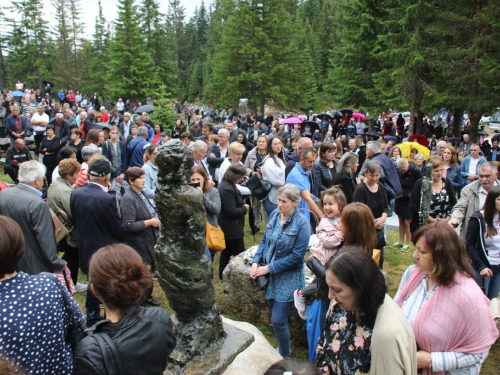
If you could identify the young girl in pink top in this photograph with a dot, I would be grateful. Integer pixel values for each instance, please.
(330, 239)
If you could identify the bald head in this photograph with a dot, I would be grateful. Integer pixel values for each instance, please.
(19, 144)
(302, 144)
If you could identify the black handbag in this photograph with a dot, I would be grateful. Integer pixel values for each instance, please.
(76, 330)
(380, 239)
(259, 187)
(262, 282)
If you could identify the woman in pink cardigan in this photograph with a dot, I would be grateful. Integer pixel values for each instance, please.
(447, 310)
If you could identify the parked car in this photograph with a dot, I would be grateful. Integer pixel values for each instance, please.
(485, 120)
(494, 123)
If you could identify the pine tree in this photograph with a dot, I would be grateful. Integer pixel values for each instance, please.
(30, 50)
(131, 71)
(352, 60)
(256, 59)
(94, 53)
(64, 42)
(175, 19)
(76, 31)
(158, 44)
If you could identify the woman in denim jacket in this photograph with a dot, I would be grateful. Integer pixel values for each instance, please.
(451, 168)
(281, 256)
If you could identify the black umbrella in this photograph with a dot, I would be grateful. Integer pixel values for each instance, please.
(313, 125)
(482, 132)
(144, 108)
(372, 134)
(48, 83)
(101, 125)
(310, 122)
(336, 113)
(324, 114)
(346, 111)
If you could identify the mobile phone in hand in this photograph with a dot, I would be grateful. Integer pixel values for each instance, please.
(195, 185)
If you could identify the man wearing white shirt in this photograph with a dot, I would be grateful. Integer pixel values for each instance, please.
(40, 120)
(360, 127)
(469, 166)
(125, 126)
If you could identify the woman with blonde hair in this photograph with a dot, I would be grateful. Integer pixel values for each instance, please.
(395, 153)
(235, 153)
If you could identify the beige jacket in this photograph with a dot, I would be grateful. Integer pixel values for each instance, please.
(58, 197)
(393, 346)
(467, 205)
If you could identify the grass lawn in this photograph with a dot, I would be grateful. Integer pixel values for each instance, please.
(4, 177)
(395, 264)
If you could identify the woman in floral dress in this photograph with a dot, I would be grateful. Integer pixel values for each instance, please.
(365, 331)
(443, 196)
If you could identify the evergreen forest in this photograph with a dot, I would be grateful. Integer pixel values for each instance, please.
(372, 55)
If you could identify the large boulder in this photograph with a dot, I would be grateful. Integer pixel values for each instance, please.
(255, 359)
(249, 303)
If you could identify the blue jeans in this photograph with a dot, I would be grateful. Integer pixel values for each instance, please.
(269, 207)
(491, 284)
(280, 311)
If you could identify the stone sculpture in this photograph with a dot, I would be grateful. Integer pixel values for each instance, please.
(184, 270)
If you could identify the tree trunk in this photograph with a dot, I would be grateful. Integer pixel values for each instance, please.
(457, 121)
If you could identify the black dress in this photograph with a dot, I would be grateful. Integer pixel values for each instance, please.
(408, 180)
(52, 147)
(347, 185)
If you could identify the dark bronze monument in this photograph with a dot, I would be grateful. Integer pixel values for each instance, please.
(185, 272)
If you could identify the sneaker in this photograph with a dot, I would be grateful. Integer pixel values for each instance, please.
(300, 304)
(397, 244)
(405, 248)
(79, 287)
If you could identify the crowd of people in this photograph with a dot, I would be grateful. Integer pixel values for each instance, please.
(335, 183)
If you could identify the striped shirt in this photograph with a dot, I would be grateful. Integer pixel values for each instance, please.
(454, 363)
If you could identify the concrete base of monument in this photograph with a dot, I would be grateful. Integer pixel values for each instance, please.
(216, 360)
(255, 359)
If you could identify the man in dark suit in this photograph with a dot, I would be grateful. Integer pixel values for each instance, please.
(255, 133)
(24, 204)
(494, 153)
(15, 126)
(98, 224)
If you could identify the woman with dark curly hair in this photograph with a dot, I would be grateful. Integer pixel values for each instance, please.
(144, 337)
